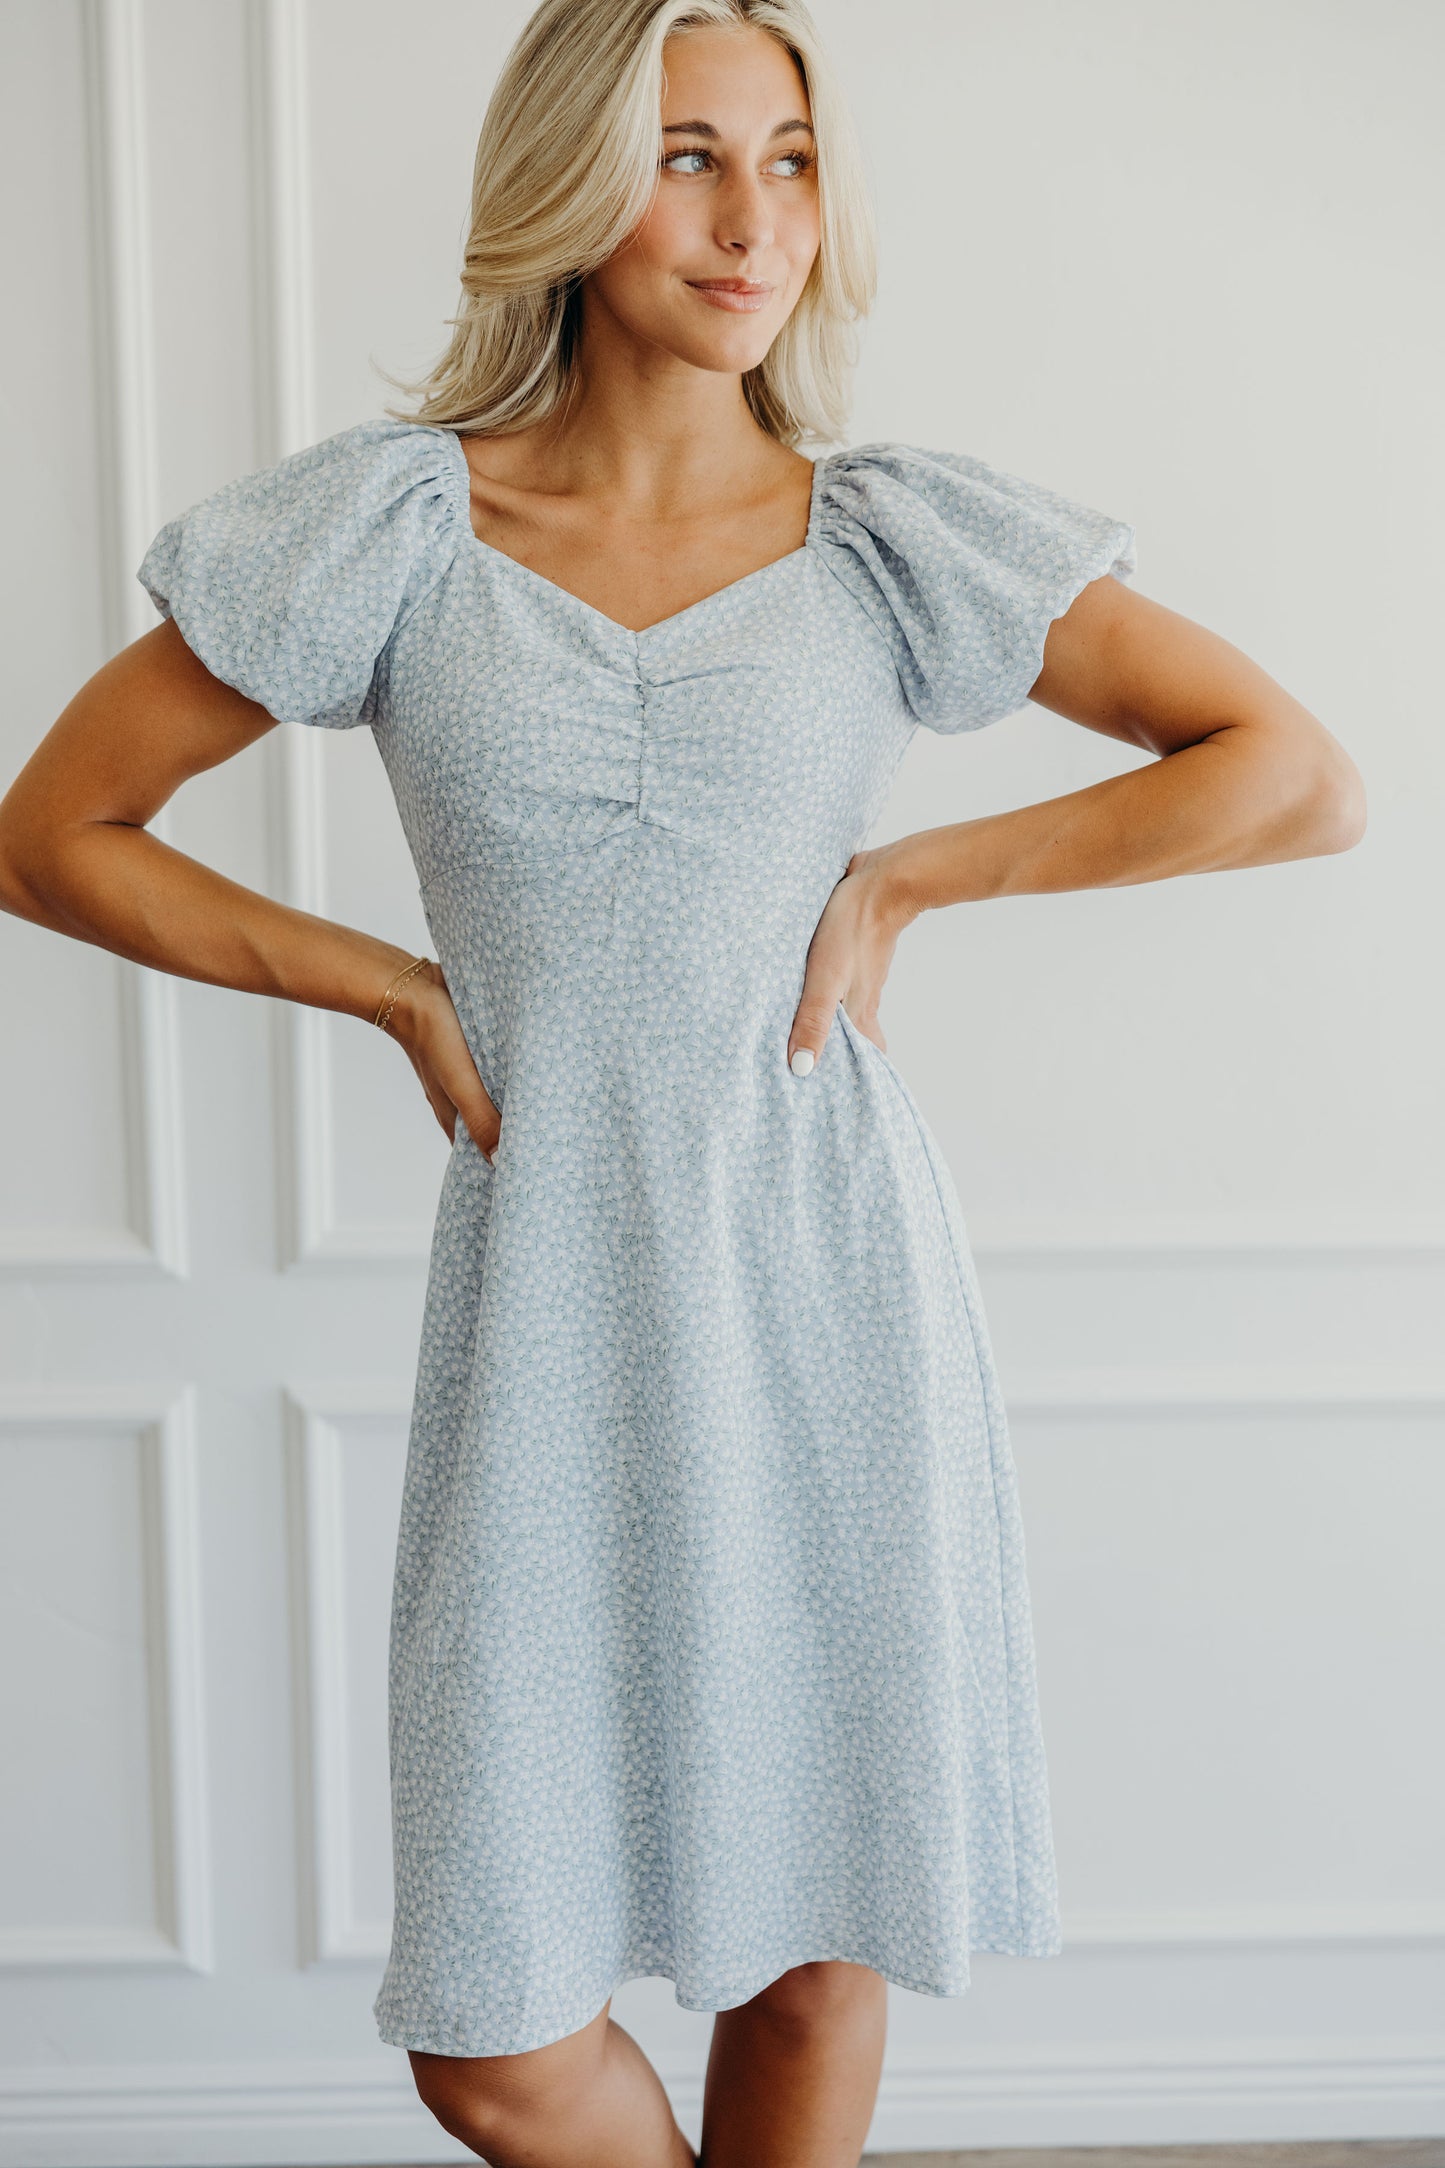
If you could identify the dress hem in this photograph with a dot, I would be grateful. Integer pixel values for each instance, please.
(411, 2038)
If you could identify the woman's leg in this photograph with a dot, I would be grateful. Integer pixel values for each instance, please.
(792, 2075)
(591, 2100)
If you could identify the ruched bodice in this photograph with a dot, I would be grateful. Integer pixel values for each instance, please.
(711, 1647)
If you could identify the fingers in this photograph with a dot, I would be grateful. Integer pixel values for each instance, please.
(847, 955)
(437, 1048)
(484, 1126)
(488, 1151)
(485, 1130)
(828, 970)
(812, 1022)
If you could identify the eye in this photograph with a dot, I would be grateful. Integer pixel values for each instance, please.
(793, 163)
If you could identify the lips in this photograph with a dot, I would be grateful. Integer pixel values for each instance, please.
(735, 295)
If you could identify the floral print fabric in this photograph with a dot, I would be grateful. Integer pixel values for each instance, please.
(711, 1648)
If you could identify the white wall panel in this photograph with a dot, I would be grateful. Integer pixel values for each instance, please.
(348, 1454)
(394, 120)
(371, 882)
(363, 1172)
(205, 357)
(1160, 255)
(76, 1853)
(52, 447)
(97, 1186)
(1225, 1597)
(103, 1849)
(66, 1193)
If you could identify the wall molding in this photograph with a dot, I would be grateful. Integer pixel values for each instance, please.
(330, 1930)
(1204, 1238)
(1230, 1389)
(314, 1238)
(283, 291)
(332, 1934)
(1235, 1391)
(312, 1235)
(162, 1419)
(1138, 2092)
(1251, 1929)
(305, 1129)
(1187, 1243)
(125, 302)
(152, 1244)
(284, 312)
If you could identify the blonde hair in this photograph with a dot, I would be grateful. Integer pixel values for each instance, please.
(566, 165)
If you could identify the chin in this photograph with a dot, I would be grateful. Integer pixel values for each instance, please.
(731, 356)
(731, 364)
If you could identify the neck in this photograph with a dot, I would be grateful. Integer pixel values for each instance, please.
(648, 431)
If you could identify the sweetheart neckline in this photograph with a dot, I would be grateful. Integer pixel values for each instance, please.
(614, 624)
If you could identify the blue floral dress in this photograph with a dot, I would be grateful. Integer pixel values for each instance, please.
(711, 1646)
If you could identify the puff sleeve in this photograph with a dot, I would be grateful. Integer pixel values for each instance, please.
(288, 583)
(963, 568)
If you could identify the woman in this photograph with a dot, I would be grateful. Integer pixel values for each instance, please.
(711, 1645)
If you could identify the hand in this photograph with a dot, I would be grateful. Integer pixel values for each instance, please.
(850, 952)
(426, 1023)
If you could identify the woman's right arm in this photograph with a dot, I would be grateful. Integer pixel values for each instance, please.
(75, 856)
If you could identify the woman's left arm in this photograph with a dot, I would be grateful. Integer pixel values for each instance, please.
(1246, 777)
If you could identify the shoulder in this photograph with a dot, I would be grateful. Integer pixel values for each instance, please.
(362, 470)
(962, 565)
(928, 493)
(380, 493)
(288, 581)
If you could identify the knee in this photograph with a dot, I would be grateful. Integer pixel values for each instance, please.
(466, 2093)
(821, 1996)
(498, 2104)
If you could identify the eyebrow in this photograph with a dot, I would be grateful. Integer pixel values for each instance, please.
(706, 128)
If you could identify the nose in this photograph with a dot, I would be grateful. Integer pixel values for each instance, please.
(744, 218)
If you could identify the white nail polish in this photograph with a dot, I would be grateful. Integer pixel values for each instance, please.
(802, 1061)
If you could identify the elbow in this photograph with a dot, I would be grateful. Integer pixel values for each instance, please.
(1337, 807)
(18, 893)
(1314, 803)
(12, 888)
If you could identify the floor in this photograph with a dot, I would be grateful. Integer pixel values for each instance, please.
(1363, 2153)
(1336, 2153)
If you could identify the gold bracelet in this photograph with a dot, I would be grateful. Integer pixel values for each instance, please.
(388, 999)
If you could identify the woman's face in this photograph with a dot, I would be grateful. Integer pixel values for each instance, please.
(716, 267)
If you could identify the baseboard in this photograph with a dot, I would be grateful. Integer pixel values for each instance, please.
(304, 2114)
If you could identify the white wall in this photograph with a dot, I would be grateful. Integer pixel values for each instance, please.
(1181, 262)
